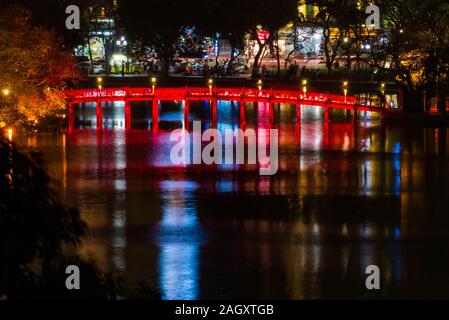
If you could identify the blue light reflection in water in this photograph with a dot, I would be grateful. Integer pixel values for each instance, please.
(179, 237)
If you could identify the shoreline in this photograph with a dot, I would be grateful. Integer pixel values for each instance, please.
(430, 120)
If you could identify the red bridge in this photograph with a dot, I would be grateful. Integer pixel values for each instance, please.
(188, 94)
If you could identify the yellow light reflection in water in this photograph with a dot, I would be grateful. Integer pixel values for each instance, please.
(10, 133)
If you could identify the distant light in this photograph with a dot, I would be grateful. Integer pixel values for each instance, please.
(6, 92)
(346, 39)
(118, 57)
(345, 84)
(304, 82)
(401, 31)
(99, 79)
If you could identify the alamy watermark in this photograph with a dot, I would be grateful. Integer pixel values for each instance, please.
(72, 282)
(73, 21)
(189, 147)
(373, 19)
(373, 280)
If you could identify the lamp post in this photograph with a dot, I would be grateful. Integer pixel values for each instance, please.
(100, 82)
(382, 95)
(153, 83)
(259, 84)
(345, 89)
(210, 84)
(304, 87)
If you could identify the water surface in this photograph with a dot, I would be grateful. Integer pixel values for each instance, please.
(345, 197)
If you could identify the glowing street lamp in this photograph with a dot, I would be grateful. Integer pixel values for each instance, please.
(345, 89)
(100, 82)
(259, 85)
(304, 86)
(153, 83)
(210, 84)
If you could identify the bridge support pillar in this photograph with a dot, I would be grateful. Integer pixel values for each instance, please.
(99, 115)
(186, 114)
(271, 112)
(127, 115)
(326, 127)
(71, 118)
(298, 125)
(242, 117)
(298, 113)
(326, 114)
(155, 113)
(214, 113)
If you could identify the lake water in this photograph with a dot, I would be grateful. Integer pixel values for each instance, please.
(345, 197)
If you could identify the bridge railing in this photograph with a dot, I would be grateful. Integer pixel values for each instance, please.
(215, 93)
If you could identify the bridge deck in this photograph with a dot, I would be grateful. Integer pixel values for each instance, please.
(221, 94)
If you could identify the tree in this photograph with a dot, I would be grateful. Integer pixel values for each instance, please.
(221, 17)
(39, 238)
(51, 15)
(157, 25)
(413, 46)
(271, 16)
(35, 68)
(33, 222)
(334, 18)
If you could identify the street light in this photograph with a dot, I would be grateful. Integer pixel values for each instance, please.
(100, 82)
(259, 85)
(210, 83)
(345, 89)
(122, 42)
(153, 83)
(304, 86)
